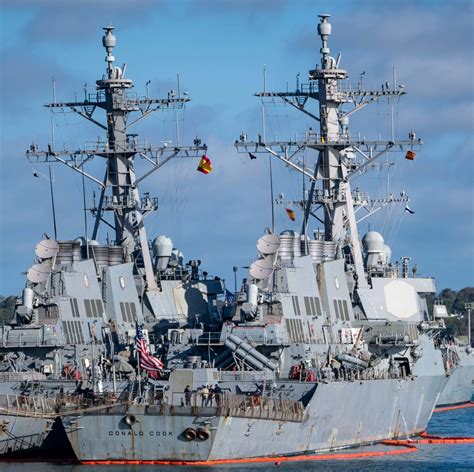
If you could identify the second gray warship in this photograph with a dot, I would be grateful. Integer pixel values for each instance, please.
(327, 344)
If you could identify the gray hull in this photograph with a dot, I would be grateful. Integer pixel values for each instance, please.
(21, 433)
(336, 417)
(460, 385)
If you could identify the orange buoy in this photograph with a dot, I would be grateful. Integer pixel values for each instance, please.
(410, 155)
(405, 448)
(428, 439)
(455, 407)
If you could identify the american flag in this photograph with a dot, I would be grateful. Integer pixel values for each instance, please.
(147, 361)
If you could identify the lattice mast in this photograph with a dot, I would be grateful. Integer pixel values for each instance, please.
(333, 142)
(119, 187)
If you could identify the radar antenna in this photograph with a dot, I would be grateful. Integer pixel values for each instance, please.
(341, 156)
(119, 186)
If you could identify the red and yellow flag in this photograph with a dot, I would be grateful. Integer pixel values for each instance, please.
(291, 214)
(205, 165)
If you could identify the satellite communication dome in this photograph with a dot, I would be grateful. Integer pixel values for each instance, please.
(373, 242)
(268, 244)
(38, 273)
(162, 249)
(47, 248)
(162, 246)
(261, 269)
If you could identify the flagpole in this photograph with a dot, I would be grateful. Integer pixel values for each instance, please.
(139, 372)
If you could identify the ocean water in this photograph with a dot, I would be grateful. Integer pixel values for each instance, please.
(429, 457)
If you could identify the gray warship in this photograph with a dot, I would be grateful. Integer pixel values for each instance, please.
(327, 344)
(78, 311)
(25, 422)
(459, 364)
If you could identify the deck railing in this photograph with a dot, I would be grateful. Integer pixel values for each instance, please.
(27, 405)
(227, 404)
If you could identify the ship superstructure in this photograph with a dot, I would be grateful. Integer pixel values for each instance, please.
(83, 299)
(322, 347)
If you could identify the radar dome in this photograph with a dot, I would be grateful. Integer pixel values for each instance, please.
(373, 242)
(162, 248)
(47, 248)
(162, 245)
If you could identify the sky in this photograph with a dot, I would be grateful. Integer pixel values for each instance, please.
(219, 50)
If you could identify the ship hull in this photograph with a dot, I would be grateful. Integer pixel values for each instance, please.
(336, 417)
(22, 433)
(459, 387)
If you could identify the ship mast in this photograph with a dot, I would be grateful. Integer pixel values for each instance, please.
(330, 189)
(119, 186)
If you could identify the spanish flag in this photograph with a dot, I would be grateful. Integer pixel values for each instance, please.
(205, 165)
(291, 214)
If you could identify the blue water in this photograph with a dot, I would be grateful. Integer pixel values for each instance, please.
(429, 457)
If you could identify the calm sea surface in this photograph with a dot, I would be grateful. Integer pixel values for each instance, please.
(434, 457)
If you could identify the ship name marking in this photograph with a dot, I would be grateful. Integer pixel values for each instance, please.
(140, 433)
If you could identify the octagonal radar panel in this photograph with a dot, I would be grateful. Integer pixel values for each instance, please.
(268, 244)
(261, 269)
(38, 273)
(47, 248)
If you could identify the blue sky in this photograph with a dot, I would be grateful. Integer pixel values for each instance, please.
(219, 49)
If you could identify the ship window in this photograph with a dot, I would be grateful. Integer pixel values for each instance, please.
(336, 309)
(70, 332)
(74, 308)
(295, 330)
(80, 335)
(346, 311)
(296, 306)
(288, 327)
(99, 308)
(87, 304)
(129, 314)
(313, 306)
(66, 334)
(318, 307)
(307, 304)
(299, 330)
(290, 330)
(76, 330)
(341, 312)
(122, 309)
